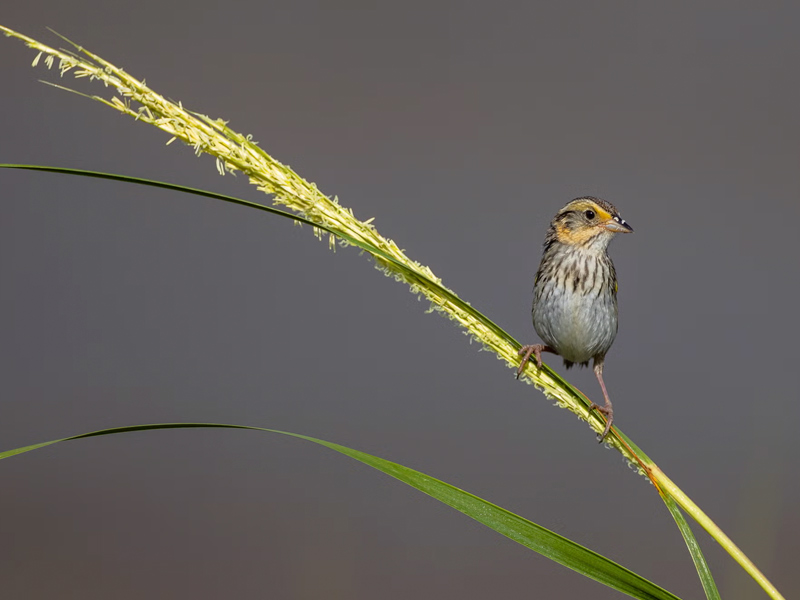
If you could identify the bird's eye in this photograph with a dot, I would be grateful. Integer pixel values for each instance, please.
(589, 214)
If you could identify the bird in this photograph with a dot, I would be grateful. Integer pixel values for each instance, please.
(575, 291)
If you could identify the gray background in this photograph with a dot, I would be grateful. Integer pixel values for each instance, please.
(462, 129)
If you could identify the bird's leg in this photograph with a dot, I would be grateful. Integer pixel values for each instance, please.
(607, 410)
(536, 350)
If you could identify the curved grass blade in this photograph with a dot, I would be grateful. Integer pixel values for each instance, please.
(706, 579)
(376, 252)
(522, 531)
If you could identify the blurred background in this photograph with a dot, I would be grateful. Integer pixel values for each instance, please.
(461, 129)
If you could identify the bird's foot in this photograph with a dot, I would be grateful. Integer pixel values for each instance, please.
(608, 412)
(526, 351)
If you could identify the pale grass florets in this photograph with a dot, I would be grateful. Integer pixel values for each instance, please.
(236, 152)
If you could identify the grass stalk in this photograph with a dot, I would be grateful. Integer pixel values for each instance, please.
(686, 503)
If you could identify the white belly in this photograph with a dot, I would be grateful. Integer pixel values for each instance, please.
(578, 325)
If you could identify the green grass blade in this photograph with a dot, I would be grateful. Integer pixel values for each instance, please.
(522, 531)
(379, 254)
(709, 587)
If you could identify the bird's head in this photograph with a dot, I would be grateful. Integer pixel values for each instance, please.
(588, 222)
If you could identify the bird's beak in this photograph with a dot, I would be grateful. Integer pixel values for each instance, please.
(618, 225)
